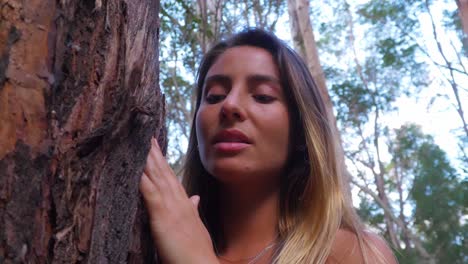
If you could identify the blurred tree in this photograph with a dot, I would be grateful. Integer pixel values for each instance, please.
(404, 18)
(371, 54)
(437, 195)
(463, 14)
(379, 82)
(383, 68)
(305, 44)
(189, 29)
(463, 18)
(79, 102)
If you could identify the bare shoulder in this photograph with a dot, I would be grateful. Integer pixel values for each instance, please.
(346, 249)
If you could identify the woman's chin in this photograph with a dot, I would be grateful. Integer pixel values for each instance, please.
(242, 176)
(231, 173)
(241, 170)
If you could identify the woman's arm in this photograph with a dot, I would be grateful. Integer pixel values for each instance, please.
(178, 232)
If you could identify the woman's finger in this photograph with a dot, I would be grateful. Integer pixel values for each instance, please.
(195, 201)
(161, 173)
(155, 167)
(148, 189)
(161, 161)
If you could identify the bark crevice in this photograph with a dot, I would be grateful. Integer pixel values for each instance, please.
(78, 116)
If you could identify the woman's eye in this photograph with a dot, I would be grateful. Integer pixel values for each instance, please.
(263, 98)
(214, 98)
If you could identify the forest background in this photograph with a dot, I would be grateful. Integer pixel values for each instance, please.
(80, 101)
(395, 74)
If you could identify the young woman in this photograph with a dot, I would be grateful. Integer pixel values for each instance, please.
(262, 159)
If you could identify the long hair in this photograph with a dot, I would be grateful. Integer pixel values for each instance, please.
(314, 201)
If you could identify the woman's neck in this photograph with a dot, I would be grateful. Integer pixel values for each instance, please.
(249, 220)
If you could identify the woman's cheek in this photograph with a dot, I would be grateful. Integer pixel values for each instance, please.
(281, 125)
(202, 122)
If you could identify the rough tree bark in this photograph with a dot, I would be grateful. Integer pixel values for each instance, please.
(79, 102)
(304, 43)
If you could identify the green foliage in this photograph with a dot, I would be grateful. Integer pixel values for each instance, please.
(331, 29)
(437, 194)
(370, 212)
(368, 68)
(385, 67)
(395, 53)
(393, 27)
(408, 256)
(373, 53)
(184, 36)
(380, 13)
(452, 20)
(354, 104)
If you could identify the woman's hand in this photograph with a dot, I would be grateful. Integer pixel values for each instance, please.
(176, 227)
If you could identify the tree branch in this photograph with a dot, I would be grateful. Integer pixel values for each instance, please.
(453, 83)
(416, 241)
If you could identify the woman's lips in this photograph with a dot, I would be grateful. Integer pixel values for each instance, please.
(231, 140)
(230, 146)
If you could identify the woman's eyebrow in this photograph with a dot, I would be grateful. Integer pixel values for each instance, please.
(263, 78)
(219, 78)
(260, 78)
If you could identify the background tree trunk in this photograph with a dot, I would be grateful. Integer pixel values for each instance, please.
(210, 13)
(79, 102)
(304, 43)
(463, 13)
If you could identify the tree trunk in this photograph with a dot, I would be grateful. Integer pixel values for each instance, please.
(79, 102)
(304, 43)
(210, 13)
(463, 14)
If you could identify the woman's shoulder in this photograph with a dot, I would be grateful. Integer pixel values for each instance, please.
(347, 249)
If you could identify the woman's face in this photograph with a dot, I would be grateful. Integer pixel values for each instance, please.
(243, 121)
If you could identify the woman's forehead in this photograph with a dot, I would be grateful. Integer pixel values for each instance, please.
(247, 60)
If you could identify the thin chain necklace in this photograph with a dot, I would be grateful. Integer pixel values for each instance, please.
(253, 259)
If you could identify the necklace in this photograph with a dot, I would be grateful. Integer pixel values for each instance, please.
(253, 259)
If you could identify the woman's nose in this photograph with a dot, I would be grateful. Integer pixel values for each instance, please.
(232, 108)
